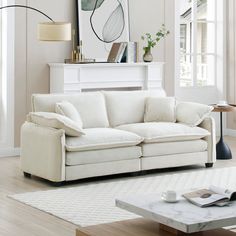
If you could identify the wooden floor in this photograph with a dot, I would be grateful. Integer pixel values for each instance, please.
(17, 219)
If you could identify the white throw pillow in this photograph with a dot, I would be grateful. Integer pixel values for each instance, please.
(191, 113)
(53, 120)
(90, 105)
(68, 109)
(127, 107)
(160, 109)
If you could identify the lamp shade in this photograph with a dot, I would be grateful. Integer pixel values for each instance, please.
(54, 31)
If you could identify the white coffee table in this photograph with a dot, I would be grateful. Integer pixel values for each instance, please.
(181, 216)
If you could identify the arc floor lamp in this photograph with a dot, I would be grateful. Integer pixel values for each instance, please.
(48, 31)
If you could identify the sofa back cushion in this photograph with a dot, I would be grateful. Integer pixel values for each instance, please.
(90, 105)
(126, 107)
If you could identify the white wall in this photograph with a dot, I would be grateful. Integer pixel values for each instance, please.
(32, 56)
(148, 17)
(231, 61)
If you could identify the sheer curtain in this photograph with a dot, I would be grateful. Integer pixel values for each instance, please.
(7, 46)
(1, 79)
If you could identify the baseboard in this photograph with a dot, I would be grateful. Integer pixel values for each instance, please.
(230, 132)
(9, 152)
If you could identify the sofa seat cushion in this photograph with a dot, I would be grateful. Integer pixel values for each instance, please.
(102, 138)
(105, 155)
(153, 132)
(170, 148)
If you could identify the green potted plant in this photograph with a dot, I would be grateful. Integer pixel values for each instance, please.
(152, 42)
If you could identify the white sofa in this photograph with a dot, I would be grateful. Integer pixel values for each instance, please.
(117, 140)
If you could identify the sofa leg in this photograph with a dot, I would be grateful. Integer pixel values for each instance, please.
(27, 175)
(57, 184)
(209, 165)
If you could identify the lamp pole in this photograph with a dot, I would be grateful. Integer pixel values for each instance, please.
(27, 7)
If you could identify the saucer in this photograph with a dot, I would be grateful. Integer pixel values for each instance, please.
(170, 201)
(222, 105)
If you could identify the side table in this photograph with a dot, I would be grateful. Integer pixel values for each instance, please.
(223, 152)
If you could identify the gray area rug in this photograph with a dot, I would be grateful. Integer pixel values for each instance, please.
(94, 203)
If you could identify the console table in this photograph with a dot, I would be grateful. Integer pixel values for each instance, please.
(72, 78)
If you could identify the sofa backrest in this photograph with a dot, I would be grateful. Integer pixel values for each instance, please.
(91, 106)
(126, 107)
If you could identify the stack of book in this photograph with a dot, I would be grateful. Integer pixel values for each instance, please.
(123, 52)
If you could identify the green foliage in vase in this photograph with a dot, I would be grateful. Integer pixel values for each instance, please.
(153, 40)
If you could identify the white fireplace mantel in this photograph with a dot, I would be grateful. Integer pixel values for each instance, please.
(71, 78)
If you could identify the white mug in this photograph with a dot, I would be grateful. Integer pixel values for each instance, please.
(169, 195)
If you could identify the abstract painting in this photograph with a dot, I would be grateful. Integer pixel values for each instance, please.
(101, 23)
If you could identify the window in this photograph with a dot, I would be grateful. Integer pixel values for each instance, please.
(197, 42)
(183, 33)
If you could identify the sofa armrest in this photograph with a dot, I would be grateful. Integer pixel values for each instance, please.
(43, 151)
(209, 124)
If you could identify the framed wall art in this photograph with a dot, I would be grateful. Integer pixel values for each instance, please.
(100, 23)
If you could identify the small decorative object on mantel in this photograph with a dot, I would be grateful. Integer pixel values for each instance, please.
(117, 52)
(77, 56)
(84, 61)
(74, 53)
(152, 42)
(131, 53)
(123, 52)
